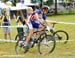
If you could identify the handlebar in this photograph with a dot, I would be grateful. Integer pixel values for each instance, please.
(54, 23)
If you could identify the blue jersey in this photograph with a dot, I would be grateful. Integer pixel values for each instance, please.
(38, 11)
(44, 17)
(32, 18)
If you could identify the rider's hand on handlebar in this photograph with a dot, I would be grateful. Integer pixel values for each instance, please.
(49, 28)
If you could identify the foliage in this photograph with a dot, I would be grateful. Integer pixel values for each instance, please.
(71, 0)
(50, 2)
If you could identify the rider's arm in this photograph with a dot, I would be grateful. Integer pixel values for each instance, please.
(48, 24)
(24, 22)
(49, 27)
(45, 20)
(22, 15)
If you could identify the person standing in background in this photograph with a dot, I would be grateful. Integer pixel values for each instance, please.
(5, 22)
(19, 23)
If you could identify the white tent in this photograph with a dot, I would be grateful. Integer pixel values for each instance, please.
(19, 8)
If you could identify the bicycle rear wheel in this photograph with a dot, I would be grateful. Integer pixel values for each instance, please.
(19, 47)
(61, 35)
(47, 44)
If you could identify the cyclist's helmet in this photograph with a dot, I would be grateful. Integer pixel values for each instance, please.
(44, 8)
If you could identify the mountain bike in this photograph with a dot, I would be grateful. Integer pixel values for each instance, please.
(45, 42)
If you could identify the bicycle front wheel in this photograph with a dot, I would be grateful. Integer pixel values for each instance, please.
(47, 44)
(61, 35)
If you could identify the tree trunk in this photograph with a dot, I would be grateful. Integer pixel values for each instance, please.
(55, 7)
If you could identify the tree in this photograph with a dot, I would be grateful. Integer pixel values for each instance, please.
(50, 2)
(71, 0)
(15, 1)
(5, 0)
(55, 7)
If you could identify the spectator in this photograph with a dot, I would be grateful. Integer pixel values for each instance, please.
(5, 22)
(19, 22)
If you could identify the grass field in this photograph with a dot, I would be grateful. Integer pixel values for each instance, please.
(61, 51)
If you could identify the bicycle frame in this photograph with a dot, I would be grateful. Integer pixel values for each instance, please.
(36, 32)
(39, 39)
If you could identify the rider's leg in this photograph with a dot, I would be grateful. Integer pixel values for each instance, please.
(29, 34)
(37, 25)
(28, 37)
(40, 29)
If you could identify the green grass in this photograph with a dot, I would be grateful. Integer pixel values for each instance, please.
(61, 51)
(62, 18)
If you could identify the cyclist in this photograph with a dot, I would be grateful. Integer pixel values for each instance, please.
(19, 24)
(42, 14)
(33, 22)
